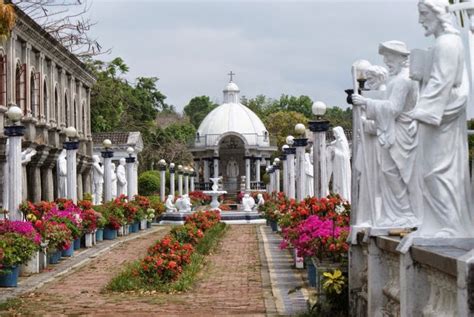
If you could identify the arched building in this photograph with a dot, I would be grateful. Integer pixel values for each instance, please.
(231, 142)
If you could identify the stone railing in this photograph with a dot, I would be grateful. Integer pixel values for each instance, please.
(426, 281)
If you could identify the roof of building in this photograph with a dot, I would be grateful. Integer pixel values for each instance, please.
(119, 139)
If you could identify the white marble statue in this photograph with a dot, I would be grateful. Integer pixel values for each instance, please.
(170, 207)
(308, 169)
(98, 180)
(26, 157)
(232, 168)
(62, 174)
(260, 201)
(121, 178)
(187, 203)
(248, 203)
(183, 203)
(441, 116)
(366, 164)
(341, 165)
(113, 180)
(396, 135)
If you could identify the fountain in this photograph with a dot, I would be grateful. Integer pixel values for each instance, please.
(214, 193)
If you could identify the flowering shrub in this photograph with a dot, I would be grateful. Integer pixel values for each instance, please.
(16, 249)
(23, 228)
(204, 219)
(68, 213)
(188, 233)
(58, 235)
(90, 220)
(199, 199)
(157, 205)
(150, 214)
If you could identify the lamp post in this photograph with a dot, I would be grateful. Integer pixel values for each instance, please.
(107, 154)
(319, 127)
(283, 158)
(71, 145)
(162, 169)
(290, 155)
(186, 180)
(276, 168)
(300, 144)
(172, 179)
(14, 133)
(192, 177)
(180, 180)
(130, 160)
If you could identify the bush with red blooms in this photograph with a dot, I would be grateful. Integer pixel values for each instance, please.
(204, 219)
(199, 199)
(166, 258)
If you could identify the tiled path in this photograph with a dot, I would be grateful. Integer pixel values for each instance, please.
(237, 280)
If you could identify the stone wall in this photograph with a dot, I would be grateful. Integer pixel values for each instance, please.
(426, 281)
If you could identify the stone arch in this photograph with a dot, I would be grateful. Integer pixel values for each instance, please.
(230, 133)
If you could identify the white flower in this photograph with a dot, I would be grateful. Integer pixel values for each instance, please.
(340, 209)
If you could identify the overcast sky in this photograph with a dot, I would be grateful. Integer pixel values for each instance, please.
(274, 47)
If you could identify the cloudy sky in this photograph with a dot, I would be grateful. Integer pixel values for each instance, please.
(274, 47)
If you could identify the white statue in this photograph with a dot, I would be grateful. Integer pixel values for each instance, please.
(183, 203)
(260, 201)
(232, 169)
(441, 116)
(98, 180)
(113, 181)
(341, 165)
(62, 174)
(366, 164)
(248, 203)
(396, 136)
(308, 169)
(121, 178)
(187, 203)
(170, 207)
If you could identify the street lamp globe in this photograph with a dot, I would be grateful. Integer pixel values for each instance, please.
(319, 108)
(276, 161)
(300, 129)
(284, 147)
(71, 132)
(162, 162)
(361, 67)
(107, 143)
(290, 140)
(130, 150)
(180, 167)
(14, 113)
(172, 165)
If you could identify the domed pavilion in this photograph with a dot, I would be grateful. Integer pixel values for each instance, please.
(232, 142)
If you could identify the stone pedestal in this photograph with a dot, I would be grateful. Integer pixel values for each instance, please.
(71, 159)
(107, 155)
(15, 134)
(291, 172)
(130, 177)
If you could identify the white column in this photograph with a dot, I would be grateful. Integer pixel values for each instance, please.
(135, 178)
(172, 189)
(107, 155)
(71, 163)
(277, 179)
(162, 182)
(285, 174)
(130, 177)
(257, 169)
(191, 180)
(272, 181)
(216, 166)
(247, 173)
(180, 183)
(319, 128)
(291, 173)
(186, 183)
(301, 182)
(197, 163)
(206, 171)
(15, 175)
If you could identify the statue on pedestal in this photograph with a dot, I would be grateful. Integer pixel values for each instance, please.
(170, 207)
(248, 203)
(62, 174)
(341, 165)
(260, 201)
(98, 180)
(113, 180)
(308, 169)
(396, 135)
(232, 169)
(121, 178)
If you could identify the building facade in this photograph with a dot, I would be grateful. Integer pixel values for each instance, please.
(52, 87)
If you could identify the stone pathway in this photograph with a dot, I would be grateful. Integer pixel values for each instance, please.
(248, 275)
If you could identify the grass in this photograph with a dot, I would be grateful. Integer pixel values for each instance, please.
(125, 281)
(9, 304)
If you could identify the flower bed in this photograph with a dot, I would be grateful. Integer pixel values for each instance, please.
(174, 256)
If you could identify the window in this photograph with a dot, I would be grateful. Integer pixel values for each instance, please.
(3, 80)
(56, 105)
(20, 89)
(66, 110)
(45, 100)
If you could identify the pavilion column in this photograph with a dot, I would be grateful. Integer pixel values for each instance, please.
(216, 166)
(285, 173)
(196, 177)
(277, 177)
(186, 182)
(247, 172)
(291, 172)
(192, 178)
(258, 161)
(172, 174)
(270, 174)
(206, 170)
(300, 145)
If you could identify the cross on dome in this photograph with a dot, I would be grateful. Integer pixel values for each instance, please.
(231, 74)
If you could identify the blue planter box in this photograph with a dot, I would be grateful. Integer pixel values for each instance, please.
(54, 257)
(135, 227)
(110, 234)
(311, 270)
(99, 235)
(148, 225)
(10, 279)
(274, 226)
(77, 244)
(69, 252)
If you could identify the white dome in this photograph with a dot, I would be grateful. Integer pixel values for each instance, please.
(232, 118)
(231, 87)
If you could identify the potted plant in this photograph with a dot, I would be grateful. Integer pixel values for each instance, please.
(101, 223)
(150, 215)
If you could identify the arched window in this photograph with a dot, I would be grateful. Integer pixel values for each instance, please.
(33, 95)
(75, 115)
(66, 110)
(83, 119)
(20, 81)
(3, 80)
(56, 105)
(45, 100)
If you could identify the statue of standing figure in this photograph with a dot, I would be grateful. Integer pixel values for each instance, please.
(62, 174)
(232, 169)
(113, 180)
(441, 117)
(98, 180)
(308, 169)
(341, 165)
(260, 201)
(396, 135)
(121, 178)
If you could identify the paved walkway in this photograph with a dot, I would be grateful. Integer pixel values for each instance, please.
(247, 275)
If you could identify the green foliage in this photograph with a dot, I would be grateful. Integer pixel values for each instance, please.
(198, 108)
(281, 124)
(149, 183)
(339, 117)
(17, 249)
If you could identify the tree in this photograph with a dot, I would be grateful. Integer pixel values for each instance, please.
(339, 117)
(281, 124)
(259, 104)
(198, 108)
